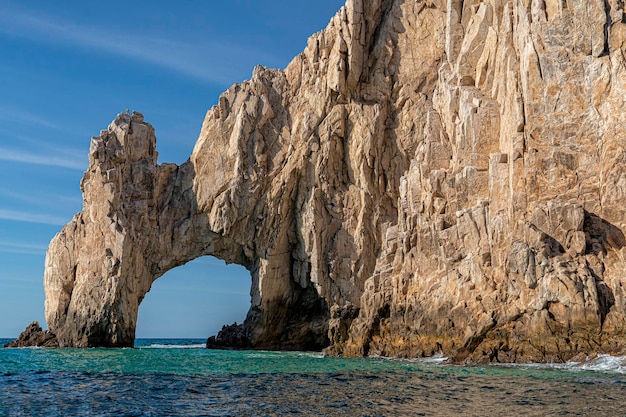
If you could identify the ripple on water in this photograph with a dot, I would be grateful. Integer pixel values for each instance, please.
(186, 381)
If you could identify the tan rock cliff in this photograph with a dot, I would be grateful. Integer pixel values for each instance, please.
(427, 176)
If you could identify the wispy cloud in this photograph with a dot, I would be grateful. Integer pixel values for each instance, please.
(22, 248)
(214, 61)
(38, 218)
(15, 155)
(47, 200)
(22, 116)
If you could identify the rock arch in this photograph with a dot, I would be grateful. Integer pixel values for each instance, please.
(141, 219)
(295, 176)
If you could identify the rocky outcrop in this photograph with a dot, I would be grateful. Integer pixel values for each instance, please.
(427, 176)
(509, 240)
(34, 336)
(141, 219)
(233, 336)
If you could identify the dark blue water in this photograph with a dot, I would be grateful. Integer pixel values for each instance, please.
(179, 378)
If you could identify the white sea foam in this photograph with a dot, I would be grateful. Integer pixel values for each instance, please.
(262, 354)
(435, 359)
(438, 359)
(163, 346)
(601, 363)
(605, 363)
(314, 355)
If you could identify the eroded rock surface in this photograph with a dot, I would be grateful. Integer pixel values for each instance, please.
(427, 176)
(34, 336)
(141, 219)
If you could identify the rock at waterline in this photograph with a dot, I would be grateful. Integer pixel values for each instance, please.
(230, 337)
(34, 336)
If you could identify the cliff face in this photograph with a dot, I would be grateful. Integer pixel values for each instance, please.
(427, 176)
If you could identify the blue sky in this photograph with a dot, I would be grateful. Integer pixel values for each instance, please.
(67, 69)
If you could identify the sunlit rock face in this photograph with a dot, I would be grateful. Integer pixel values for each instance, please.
(141, 219)
(428, 176)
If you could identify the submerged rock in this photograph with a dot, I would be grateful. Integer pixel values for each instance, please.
(427, 177)
(34, 336)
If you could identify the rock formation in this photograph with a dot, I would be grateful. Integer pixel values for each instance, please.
(427, 176)
(141, 219)
(34, 336)
(233, 336)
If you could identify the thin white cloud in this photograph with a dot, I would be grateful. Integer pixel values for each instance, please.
(215, 61)
(21, 116)
(48, 145)
(43, 200)
(22, 248)
(38, 218)
(61, 161)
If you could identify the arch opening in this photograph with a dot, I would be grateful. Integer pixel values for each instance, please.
(194, 301)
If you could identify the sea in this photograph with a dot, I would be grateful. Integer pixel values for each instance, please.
(182, 378)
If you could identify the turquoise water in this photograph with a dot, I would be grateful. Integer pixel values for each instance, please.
(179, 377)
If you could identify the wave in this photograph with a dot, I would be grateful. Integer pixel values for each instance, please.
(602, 363)
(437, 359)
(165, 346)
(266, 354)
(605, 363)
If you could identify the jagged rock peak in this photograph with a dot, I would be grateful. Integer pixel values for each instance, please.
(427, 176)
